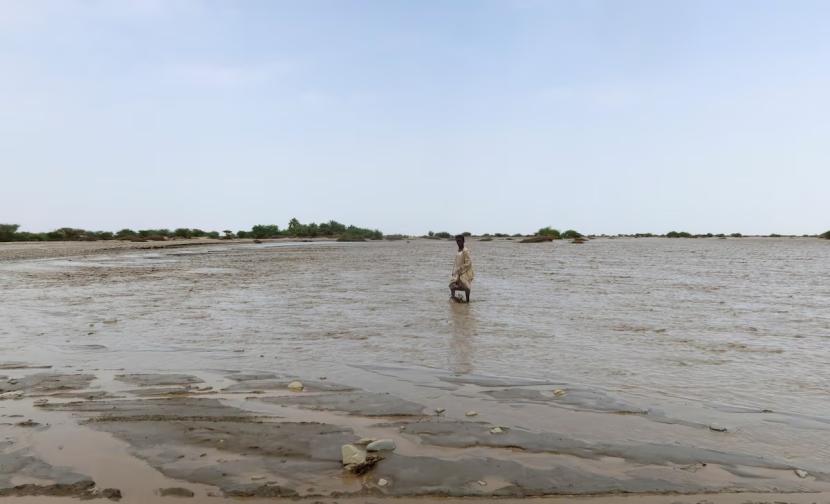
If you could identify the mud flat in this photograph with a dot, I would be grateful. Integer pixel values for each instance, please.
(213, 375)
(213, 439)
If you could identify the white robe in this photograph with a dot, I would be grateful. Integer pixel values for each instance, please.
(462, 270)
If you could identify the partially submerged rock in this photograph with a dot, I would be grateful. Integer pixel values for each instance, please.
(356, 460)
(296, 386)
(381, 445)
(351, 454)
(175, 492)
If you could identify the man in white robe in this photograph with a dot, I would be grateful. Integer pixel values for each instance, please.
(462, 272)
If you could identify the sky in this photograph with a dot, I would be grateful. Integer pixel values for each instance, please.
(408, 116)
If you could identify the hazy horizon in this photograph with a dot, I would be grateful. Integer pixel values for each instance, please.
(488, 116)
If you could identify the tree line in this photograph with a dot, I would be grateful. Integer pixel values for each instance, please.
(295, 229)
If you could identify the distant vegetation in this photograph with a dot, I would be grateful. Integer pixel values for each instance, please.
(825, 235)
(295, 229)
(549, 232)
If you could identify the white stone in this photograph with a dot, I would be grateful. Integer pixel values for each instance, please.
(717, 428)
(382, 482)
(496, 430)
(559, 392)
(482, 482)
(381, 445)
(351, 454)
(471, 413)
(296, 386)
(801, 473)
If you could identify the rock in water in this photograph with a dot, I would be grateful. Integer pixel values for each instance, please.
(559, 392)
(381, 445)
(352, 455)
(717, 428)
(296, 386)
(496, 430)
(111, 493)
(365, 441)
(801, 473)
(382, 482)
(471, 413)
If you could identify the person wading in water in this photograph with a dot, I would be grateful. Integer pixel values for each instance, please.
(462, 271)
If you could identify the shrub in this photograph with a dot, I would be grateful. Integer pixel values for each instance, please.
(678, 234)
(825, 235)
(550, 232)
(570, 234)
(736, 235)
(442, 234)
(265, 231)
(125, 234)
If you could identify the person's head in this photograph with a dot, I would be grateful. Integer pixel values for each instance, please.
(459, 239)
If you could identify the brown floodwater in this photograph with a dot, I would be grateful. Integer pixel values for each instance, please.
(696, 331)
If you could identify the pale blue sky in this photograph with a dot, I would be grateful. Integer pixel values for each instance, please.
(487, 116)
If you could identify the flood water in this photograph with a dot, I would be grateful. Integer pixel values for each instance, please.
(681, 324)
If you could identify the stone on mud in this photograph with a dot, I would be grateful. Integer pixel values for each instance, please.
(381, 445)
(351, 454)
(175, 492)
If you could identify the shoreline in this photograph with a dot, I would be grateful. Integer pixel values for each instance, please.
(21, 251)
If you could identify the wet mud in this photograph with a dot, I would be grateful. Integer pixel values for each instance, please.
(206, 408)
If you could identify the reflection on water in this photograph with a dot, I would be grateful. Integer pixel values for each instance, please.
(462, 343)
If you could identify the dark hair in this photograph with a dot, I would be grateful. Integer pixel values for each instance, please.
(459, 237)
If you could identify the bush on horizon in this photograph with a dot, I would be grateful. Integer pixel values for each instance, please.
(550, 232)
(570, 234)
(678, 234)
(825, 235)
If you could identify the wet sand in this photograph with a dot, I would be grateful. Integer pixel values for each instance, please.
(168, 372)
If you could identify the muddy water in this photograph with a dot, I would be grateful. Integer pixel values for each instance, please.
(694, 331)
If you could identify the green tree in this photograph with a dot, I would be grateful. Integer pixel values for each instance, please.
(549, 231)
(294, 227)
(8, 232)
(570, 234)
(825, 235)
(125, 234)
(265, 231)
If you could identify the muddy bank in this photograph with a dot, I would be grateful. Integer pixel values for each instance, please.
(287, 442)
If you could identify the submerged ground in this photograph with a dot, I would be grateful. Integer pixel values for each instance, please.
(674, 370)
